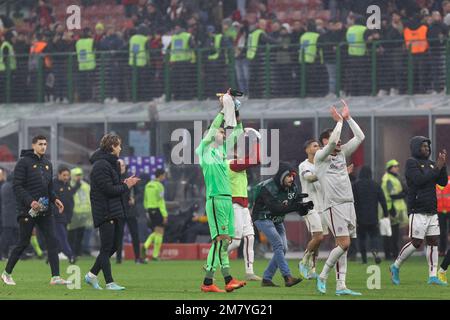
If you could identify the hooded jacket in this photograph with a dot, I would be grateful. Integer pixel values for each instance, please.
(107, 189)
(422, 175)
(274, 201)
(368, 194)
(32, 180)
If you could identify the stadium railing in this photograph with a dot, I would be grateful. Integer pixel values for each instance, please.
(277, 71)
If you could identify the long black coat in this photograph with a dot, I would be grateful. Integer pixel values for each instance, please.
(422, 176)
(107, 189)
(8, 205)
(33, 179)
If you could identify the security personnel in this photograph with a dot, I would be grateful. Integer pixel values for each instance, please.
(313, 58)
(256, 42)
(415, 35)
(86, 64)
(182, 59)
(395, 194)
(358, 62)
(216, 61)
(7, 62)
(443, 206)
(155, 205)
(139, 58)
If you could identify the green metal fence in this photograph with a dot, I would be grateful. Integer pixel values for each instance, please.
(277, 71)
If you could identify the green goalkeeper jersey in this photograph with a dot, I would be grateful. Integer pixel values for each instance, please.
(213, 159)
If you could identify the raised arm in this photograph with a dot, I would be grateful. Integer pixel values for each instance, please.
(354, 142)
(215, 125)
(321, 155)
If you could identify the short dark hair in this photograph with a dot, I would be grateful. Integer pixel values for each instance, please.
(159, 172)
(108, 141)
(38, 137)
(325, 135)
(63, 168)
(308, 143)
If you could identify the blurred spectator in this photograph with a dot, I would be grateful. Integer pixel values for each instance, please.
(39, 58)
(416, 40)
(437, 35)
(139, 61)
(112, 43)
(44, 14)
(368, 195)
(282, 81)
(8, 64)
(182, 60)
(240, 55)
(61, 45)
(329, 42)
(175, 11)
(86, 65)
(10, 227)
(99, 32)
(230, 29)
(130, 7)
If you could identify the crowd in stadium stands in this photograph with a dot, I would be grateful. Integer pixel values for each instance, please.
(241, 27)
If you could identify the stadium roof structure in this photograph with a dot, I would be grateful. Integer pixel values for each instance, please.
(48, 113)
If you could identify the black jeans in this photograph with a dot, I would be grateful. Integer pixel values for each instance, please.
(76, 240)
(109, 242)
(46, 227)
(133, 228)
(372, 231)
(9, 237)
(444, 221)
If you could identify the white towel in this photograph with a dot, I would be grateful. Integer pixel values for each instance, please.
(385, 227)
(229, 111)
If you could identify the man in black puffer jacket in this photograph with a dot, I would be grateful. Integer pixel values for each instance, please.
(107, 200)
(32, 182)
(422, 175)
(368, 195)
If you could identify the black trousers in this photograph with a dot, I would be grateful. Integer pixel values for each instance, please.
(365, 230)
(444, 221)
(109, 242)
(9, 237)
(133, 228)
(390, 244)
(46, 227)
(446, 262)
(76, 240)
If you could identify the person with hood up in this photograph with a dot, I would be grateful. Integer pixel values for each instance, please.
(368, 194)
(107, 199)
(422, 175)
(275, 198)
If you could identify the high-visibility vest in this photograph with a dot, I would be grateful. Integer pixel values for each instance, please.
(399, 204)
(217, 43)
(443, 198)
(417, 39)
(37, 48)
(138, 50)
(179, 48)
(11, 57)
(85, 54)
(308, 45)
(355, 40)
(253, 42)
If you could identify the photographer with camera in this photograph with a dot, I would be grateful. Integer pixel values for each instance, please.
(275, 198)
(33, 187)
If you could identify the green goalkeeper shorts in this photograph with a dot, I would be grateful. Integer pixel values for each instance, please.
(219, 210)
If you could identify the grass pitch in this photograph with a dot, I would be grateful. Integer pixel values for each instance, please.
(179, 280)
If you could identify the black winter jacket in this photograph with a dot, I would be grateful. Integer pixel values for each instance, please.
(33, 180)
(422, 175)
(367, 194)
(8, 204)
(65, 193)
(107, 189)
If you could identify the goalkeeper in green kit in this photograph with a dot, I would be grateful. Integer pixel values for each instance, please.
(219, 207)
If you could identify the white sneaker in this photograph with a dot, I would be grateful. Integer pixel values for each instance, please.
(62, 256)
(382, 93)
(7, 279)
(252, 277)
(59, 280)
(107, 100)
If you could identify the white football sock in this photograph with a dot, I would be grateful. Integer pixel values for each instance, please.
(432, 258)
(249, 253)
(341, 271)
(333, 257)
(407, 250)
(307, 257)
